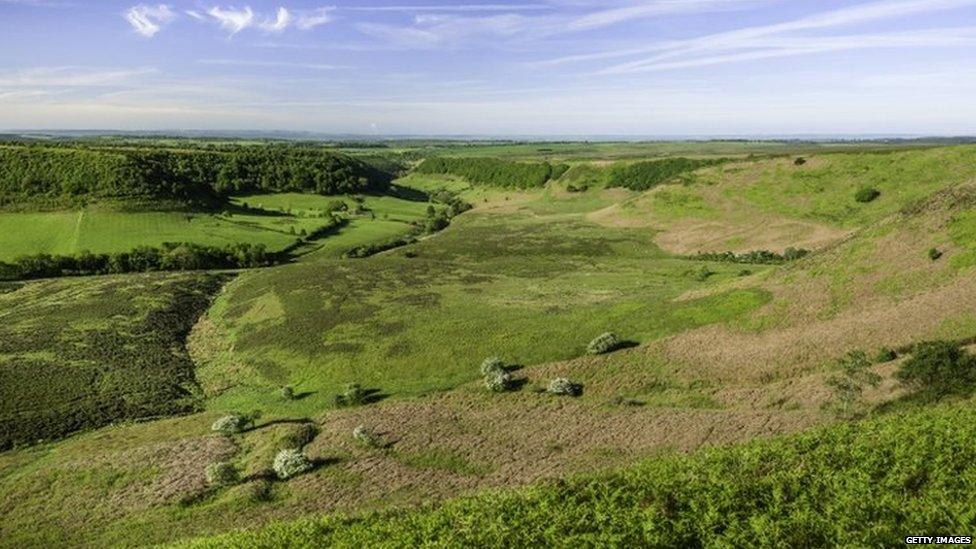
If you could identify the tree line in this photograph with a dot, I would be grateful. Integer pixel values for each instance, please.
(494, 171)
(641, 176)
(170, 256)
(59, 176)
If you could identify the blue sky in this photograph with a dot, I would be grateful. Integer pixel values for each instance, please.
(536, 67)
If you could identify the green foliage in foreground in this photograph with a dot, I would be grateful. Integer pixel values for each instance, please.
(641, 176)
(80, 354)
(491, 171)
(861, 484)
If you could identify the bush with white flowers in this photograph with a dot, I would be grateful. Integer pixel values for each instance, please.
(498, 382)
(221, 473)
(231, 423)
(291, 462)
(563, 386)
(492, 365)
(604, 343)
(366, 437)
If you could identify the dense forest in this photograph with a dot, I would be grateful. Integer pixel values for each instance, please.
(493, 171)
(641, 176)
(57, 176)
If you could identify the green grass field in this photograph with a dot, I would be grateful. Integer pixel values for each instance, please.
(403, 323)
(712, 426)
(274, 221)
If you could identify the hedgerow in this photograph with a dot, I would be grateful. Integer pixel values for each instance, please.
(757, 257)
(170, 256)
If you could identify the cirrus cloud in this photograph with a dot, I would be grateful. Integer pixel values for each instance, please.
(147, 20)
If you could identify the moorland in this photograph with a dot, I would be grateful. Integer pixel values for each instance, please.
(247, 343)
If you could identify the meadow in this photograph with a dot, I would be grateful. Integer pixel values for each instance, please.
(715, 421)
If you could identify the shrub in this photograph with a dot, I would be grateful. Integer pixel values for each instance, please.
(366, 437)
(352, 395)
(291, 462)
(703, 274)
(866, 194)
(799, 161)
(563, 386)
(288, 393)
(885, 355)
(604, 343)
(934, 254)
(232, 423)
(299, 436)
(221, 473)
(498, 382)
(939, 368)
(492, 365)
(848, 385)
(260, 491)
(792, 254)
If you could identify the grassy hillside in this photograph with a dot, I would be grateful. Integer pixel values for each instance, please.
(80, 354)
(534, 289)
(716, 355)
(865, 484)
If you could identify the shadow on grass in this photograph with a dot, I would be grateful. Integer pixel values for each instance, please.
(626, 344)
(407, 193)
(271, 423)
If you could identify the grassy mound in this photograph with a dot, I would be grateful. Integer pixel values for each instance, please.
(81, 354)
(865, 484)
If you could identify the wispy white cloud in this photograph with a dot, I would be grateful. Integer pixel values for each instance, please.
(231, 19)
(281, 21)
(456, 7)
(148, 20)
(760, 36)
(612, 16)
(807, 46)
(436, 29)
(314, 18)
(282, 64)
(71, 76)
